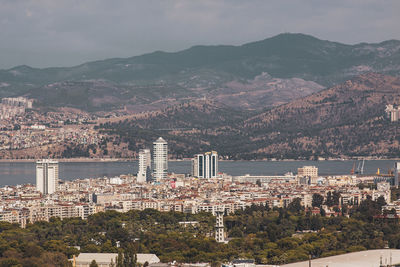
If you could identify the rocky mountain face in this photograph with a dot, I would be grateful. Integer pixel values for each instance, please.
(347, 119)
(256, 75)
(344, 120)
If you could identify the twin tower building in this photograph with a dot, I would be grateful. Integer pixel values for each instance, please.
(203, 165)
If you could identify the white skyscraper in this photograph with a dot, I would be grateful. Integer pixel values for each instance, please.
(205, 165)
(47, 176)
(396, 173)
(160, 159)
(144, 164)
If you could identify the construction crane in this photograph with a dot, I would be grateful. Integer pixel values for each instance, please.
(360, 167)
(353, 169)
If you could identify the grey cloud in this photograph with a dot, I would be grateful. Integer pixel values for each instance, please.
(45, 33)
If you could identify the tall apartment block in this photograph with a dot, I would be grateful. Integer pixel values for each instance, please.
(396, 173)
(205, 165)
(160, 159)
(144, 166)
(47, 176)
(219, 227)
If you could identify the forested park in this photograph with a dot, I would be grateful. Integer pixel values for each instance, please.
(274, 236)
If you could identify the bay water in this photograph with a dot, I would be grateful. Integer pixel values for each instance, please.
(13, 173)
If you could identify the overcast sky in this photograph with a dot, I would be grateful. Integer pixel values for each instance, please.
(43, 33)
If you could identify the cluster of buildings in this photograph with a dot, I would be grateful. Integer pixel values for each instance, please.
(205, 190)
(203, 165)
(222, 194)
(13, 106)
(36, 136)
(392, 113)
(27, 131)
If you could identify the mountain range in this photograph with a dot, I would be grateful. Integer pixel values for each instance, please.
(253, 76)
(289, 96)
(346, 120)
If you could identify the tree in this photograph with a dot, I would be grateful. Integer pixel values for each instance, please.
(317, 200)
(336, 198)
(119, 259)
(93, 264)
(322, 212)
(130, 258)
(295, 206)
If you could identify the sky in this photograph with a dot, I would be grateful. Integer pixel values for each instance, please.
(50, 33)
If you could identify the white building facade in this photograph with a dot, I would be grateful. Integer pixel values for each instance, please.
(205, 165)
(47, 176)
(160, 159)
(144, 164)
(396, 173)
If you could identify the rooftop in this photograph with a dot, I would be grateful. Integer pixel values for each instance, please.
(368, 258)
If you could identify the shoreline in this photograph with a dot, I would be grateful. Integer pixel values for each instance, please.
(185, 160)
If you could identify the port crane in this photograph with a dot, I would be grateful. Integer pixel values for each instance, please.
(360, 168)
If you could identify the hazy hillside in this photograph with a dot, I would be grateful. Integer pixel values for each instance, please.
(347, 119)
(188, 127)
(299, 64)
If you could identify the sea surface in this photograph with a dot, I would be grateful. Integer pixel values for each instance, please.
(13, 173)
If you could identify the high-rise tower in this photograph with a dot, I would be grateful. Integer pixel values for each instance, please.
(396, 173)
(205, 165)
(160, 159)
(219, 227)
(144, 164)
(47, 176)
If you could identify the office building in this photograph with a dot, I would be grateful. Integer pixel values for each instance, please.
(144, 166)
(205, 165)
(310, 172)
(160, 159)
(47, 176)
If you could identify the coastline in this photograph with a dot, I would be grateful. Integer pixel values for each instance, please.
(187, 159)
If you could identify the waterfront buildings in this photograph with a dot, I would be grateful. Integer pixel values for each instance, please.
(310, 172)
(144, 166)
(287, 177)
(47, 176)
(160, 159)
(83, 197)
(205, 165)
